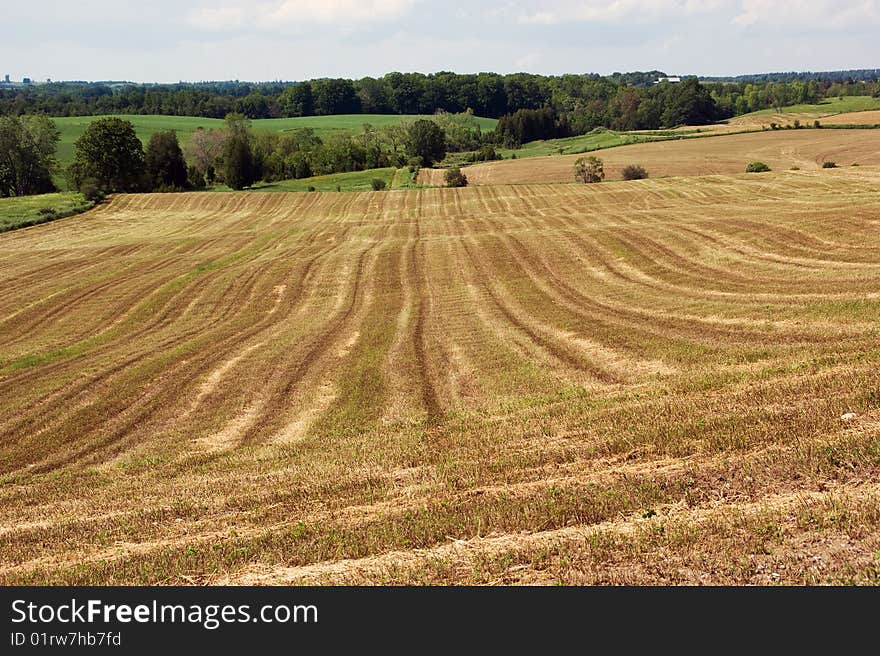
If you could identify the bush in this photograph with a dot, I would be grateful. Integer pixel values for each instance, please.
(829, 165)
(634, 172)
(377, 184)
(91, 190)
(589, 169)
(46, 211)
(339, 187)
(312, 188)
(195, 178)
(816, 124)
(455, 178)
(797, 124)
(486, 153)
(757, 167)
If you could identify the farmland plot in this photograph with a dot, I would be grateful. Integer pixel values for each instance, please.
(725, 154)
(618, 383)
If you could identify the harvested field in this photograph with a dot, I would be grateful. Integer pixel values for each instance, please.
(853, 118)
(635, 382)
(759, 121)
(726, 154)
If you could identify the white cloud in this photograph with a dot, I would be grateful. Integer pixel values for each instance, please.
(286, 14)
(814, 14)
(614, 11)
(217, 18)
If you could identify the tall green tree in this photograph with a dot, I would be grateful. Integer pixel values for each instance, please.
(239, 166)
(110, 156)
(336, 96)
(426, 140)
(166, 167)
(297, 100)
(27, 155)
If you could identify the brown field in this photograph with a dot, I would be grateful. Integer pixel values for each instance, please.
(871, 117)
(728, 154)
(763, 121)
(633, 382)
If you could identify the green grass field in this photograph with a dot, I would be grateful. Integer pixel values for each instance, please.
(25, 211)
(72, 127)
(586, 142)
(353, 181)
(827, 107)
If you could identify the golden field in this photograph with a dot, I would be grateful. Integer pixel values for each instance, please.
(712, 155)
(637, 382)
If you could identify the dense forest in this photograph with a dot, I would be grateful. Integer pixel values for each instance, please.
(850, 76)
(579, 103)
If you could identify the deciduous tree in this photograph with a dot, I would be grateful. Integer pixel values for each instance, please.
(110, 154)
(427, 141)
(166, 167)
(27, 155)
(589, 169)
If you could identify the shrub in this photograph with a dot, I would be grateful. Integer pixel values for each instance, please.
(377, 184)
(773, 126)
(829, 165)
(46, 211)
(339, 187)
(91, 189)
(816, 124)
(589, 169)
(312, 188)
(634, 172)
(795, 168)
(486, 153)
(455, 178)
(757, 167)
(797, 124)
(195, 178)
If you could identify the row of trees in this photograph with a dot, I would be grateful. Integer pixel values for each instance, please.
(109, 157)
(588, 101)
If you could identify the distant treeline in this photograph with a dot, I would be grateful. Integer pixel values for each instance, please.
(851, 76)
(569, 104)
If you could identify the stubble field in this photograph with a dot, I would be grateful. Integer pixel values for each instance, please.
(621, 383)
(725, 154)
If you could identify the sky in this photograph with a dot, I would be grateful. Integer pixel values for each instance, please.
(260, 40)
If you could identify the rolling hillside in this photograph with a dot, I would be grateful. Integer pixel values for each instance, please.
(636, 382)
(723, 154)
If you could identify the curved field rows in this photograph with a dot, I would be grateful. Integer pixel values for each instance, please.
(759, 121)
(627, 382)
(727, 154)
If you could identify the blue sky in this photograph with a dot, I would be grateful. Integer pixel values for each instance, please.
(171, 40)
